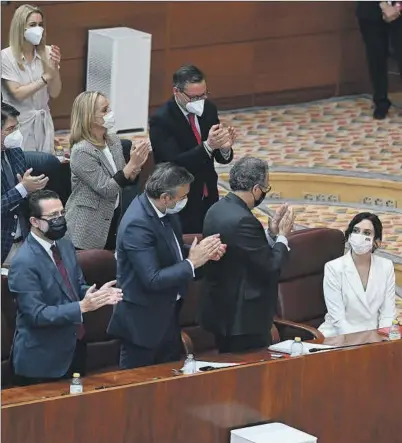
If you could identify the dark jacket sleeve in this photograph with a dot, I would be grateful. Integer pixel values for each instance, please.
(139, 244)
(166, 149)
(256, 251)
(31, 303)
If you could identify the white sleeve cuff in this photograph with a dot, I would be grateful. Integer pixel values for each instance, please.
(192, 266)
(21, 189)
(226, 153)
(208, 149)
(282, 239)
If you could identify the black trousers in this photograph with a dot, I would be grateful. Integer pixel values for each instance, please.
(240, 343)
(377, 35)
(78, 364)
(169, 349)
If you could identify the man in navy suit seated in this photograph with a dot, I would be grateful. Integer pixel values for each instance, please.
(154, 269)
(52, 298)
(16, 183)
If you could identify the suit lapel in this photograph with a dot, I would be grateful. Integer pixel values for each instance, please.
(158, 223)
(104, 160)
(180, 119)
(355, 283)
(38, 250)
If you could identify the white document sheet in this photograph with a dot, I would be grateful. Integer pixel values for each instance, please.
(286, 345)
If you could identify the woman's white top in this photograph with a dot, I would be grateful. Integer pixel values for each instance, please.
(109, 157)
(35, 119)
(351, 308)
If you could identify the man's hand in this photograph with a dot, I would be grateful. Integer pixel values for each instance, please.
(117, 292)
(202, 252)
(232, 138)
(218, 137)
(389, 12)
(286, 223)
(31, 183)
(273, 223)
(95, 299)
(221, 252)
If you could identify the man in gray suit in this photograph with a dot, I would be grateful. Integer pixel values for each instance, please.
(51, 296)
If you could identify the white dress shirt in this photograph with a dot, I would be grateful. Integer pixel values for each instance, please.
(278, 239)
(161, 215)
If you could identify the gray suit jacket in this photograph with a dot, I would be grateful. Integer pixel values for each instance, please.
(90, 207)
(47, 315)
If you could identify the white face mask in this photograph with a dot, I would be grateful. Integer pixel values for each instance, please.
(14, 140)
(178, 207)
(108, 120)
(196, 107)
(361, 244)
(34, 35)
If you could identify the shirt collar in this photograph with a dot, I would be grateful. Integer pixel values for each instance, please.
(184, 111)
(45, 244)
(36, 55)
(158, 212)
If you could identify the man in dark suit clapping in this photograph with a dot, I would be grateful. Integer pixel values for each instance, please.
(240, 293)
(154, 268)
(186, 130)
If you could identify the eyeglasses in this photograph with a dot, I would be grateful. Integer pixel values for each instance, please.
(195, 98)
(55, 214)
(265, 189)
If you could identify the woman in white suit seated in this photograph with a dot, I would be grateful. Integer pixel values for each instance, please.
(359, 288)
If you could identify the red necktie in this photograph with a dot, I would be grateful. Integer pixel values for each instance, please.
(63, 271)
(191, 119)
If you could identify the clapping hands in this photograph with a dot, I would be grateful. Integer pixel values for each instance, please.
(283, 220)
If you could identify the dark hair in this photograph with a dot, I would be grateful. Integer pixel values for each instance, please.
(366, 216)
(7, 111)
(166, 178)
(248, 172)
(187, 74)
(34, 199)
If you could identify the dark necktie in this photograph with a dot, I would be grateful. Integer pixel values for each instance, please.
(63, 271)
(191, 119)
(170, 236)
(7, 170)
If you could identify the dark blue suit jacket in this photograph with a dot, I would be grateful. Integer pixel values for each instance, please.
(47, 315)
(149, 275)
(11, 202)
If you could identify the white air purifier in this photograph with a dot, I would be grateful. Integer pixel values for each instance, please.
(119, 66)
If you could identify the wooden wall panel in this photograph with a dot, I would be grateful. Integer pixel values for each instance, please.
(254, 53)
(296, 63)
(284, 19)
(229, 67)
(210, 23)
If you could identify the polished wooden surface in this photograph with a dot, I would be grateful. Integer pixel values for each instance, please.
(348, 396)
(254, 53)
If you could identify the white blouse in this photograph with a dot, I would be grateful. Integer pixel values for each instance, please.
(110, 159)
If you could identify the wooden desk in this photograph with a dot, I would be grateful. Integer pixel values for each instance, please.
(346, 396)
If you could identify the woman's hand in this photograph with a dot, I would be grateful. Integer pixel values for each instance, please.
(139, 154)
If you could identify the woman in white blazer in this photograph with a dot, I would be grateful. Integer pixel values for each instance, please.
(359, 288)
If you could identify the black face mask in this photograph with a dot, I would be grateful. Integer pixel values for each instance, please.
(57, 228)
(258, 201)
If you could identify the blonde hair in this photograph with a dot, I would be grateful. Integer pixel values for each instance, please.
(17, 30)
(83, 116)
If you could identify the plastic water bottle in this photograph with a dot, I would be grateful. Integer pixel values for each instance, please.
(394, 331)
(190, 365)
(297, 347)
(76, 384)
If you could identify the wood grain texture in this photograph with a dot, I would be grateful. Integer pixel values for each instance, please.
(339, 396)
(254, 53)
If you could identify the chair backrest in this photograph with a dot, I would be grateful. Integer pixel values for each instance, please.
(301, 297)
(99, 267)
(146, 171)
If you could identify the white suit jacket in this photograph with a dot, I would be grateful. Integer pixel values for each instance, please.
(350, 307)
